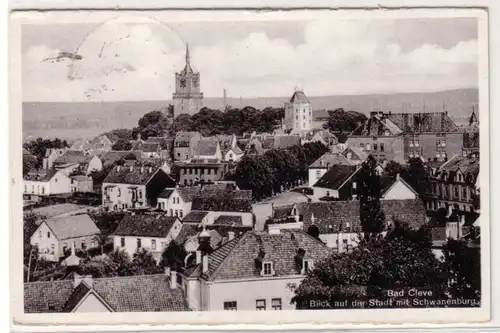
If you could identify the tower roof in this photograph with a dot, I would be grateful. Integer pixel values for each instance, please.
(187, 67)
(473, 117)
(299, 97)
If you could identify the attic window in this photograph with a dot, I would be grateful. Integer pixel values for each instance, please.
(307, 266)
(267, 269)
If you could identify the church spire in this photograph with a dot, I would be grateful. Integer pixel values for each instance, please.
(188, 60)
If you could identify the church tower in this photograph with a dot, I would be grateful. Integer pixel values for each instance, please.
(187, 96)
(298, 113)
(473, 121)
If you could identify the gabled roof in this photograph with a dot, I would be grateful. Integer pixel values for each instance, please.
(236, 258)
(206, 148)
(387, 183)
(194, 217)
(184, 137)
(229, 220)
(187, 231)
(166, 193)
(132, 175)
(299, 97)
(463, 164)
(423, 122)
(79, 144)
(356, 153)
(285, 141)
(186, 193)
(143, 293)
(74, 156)
(332, 215)
(74, 226)
(145, 225)
(283, 211)
(236, 150)
(223, 200)
(40, 175)
(336, 176)
(329, 159)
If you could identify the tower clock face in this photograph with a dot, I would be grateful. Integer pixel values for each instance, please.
(195, 82)
(183, 83)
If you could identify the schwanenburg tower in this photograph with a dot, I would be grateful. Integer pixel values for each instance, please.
(187, 96)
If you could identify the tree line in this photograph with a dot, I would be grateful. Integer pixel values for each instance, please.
(276, 170)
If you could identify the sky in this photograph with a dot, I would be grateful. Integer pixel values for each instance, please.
(123, 61)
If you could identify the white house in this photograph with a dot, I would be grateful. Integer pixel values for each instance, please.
(336, 183)
(134, 187)
(319, 167)
(76, 160)
(146, 231)
(233, 154)
(397, 189)
(56, 235)
(255, 263)
(51, 155)
(177, 201)
(207, 149)
(43, 182)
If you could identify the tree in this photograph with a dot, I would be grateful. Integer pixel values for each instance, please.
(38, 146)
(463, 265)
(29, 162)
(143, 263)
(416, 174)
(369, 187)
(393, 168)
(122, 144)
(122, 262)
(173, 256)
(403, 258)
(344, 121)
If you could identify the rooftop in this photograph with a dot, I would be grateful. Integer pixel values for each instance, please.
(131, 175)
(330, 159)
(145, 225)
(40, 175)
(74, 226)
(336, 176)
(299, 97)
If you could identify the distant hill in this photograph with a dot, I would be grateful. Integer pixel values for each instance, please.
(87, 119)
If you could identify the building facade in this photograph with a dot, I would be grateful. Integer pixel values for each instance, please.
(188, 99)
(298, 113)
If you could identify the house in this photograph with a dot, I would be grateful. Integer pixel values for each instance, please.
(193, 242)
(163, 164)
(355, 155)
(338, 223)
(146, 231)
(196, 218)
(51, 155)
(84, 294)
(55, 236)
(148, 149)
(260, 263)
(285, 141)
(184, 144)
(337, 183)
(397, 189)
(207, 149)
(177, 201)
(401, 136)
(112, 156)
(166, 144)
(319, 167)
(44, 182)
(78, 161)
(98, 145)
(134, 187)
(80, 183)
(197, 171)
(323, 136)
(454, 184)
(233, 154)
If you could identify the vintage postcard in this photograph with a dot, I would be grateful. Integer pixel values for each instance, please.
(249, 167)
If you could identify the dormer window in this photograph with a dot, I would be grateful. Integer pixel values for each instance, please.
(307, 266)
(267, 269)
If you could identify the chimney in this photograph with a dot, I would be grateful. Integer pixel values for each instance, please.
(45, 163)
(313, 219)
(450, 211)
(173, 279)
(82, 278)
(198, 257)
(205, 264)
(397, 176)
(150, 169)
(230, 235)
(321, 163)
(142, 169)
(118, 168)
(131, 168)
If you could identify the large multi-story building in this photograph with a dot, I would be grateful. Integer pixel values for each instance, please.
(401, 136)
(298, 113)
(188, 99)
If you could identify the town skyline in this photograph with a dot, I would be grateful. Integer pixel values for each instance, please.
(374, 58)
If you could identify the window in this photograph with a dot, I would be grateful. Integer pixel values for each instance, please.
(375, 147)
(153, 244)
(139, 243)
(304, 117)
(303, 124)
(32, 188)
(190, 171)
(119, 192)
(318, 173)
(457, 193)
(381, 147)
(267, 269)
(411, 143)
(417, 143)
(230, 306)
(48, 234)
(176, 212)
(260, 304)
(185, 182)
(55, 180)
(367, 147)
(230, 155)
(276, 304)
(345, 242)
(362, 145)
(140, 194)
(171, 212)
(464, 193)
(181, 213)
(179, 155)
(84, 246)
(162, 245)
(52, 248)
(307, 265)
(327, 193)
(40, 234)
(122, 242)
(25, 188)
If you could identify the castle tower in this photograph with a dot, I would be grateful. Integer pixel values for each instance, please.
(187, 96)
(298, 113)
(473, 120)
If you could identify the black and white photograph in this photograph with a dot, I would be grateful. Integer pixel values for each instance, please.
(315, 162)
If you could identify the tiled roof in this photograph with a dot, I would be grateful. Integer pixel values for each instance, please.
(388, 182)
(79, 144)
(206, 148)
(346, 214)
(215, 238)
(471, 140)
(299, 97)
(194, 217)
(166, 193)
(285, 141)
(143, 293)
(356, 153)
(151, 147)
(131, 175)
(229, 220)
(225, 141)
(225, 190)
(46, 297)
(330, 159)
(231, 201)
(336, 176)
(423, 122)
(188, 193)
(114, 155)
(187, 231)
(40, 175)
(184, 137)
(462, 163)
(145, 225)
(237, 150)
(236, 258)
(74, 226)
(73, 156)
(282, 212)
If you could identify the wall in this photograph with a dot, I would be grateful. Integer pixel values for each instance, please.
(319, 192)
(399, 192)
(235, 157)
(45, 239)
(332, 239)
(454, 144)
(82, 186)
(168, 205)
(89, 241)
(120, 196)
(260, 288)
(193, 295)
(312, 175)
(393, 146)
(199, 172)
(246, 217)
(94, 164)
(91, 304)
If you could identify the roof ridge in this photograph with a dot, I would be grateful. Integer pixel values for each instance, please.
(127, 277)
(235, 240)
